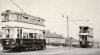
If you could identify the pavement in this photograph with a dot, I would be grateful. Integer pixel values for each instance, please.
(53, 46)
(53, 50)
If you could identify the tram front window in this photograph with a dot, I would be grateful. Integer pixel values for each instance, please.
(8, 33)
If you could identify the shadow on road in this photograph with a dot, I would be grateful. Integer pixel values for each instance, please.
(11, 51)
(6, 51)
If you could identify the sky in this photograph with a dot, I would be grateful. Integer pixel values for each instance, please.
(52, 10)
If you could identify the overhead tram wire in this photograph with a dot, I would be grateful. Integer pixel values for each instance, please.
(79, 20)
(17, 6)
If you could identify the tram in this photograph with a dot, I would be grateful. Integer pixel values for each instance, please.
(22, 31)
(86, 37)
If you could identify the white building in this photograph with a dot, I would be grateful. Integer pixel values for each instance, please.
(54, 38)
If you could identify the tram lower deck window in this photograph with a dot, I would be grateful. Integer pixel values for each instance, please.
(25, 35)
(30, 35)
(19, 33)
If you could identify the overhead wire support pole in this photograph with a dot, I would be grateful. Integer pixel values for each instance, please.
(78, 20)
(67, 30)
(17, 6)
(68, 37)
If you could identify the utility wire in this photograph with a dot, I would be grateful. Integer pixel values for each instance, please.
(79, 20)
(17, 6)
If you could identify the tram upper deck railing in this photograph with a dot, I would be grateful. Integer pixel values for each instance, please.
(9, 16)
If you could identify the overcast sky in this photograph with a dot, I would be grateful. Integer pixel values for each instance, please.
(52, 10)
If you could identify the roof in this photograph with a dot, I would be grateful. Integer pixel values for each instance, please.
(86, 26)
(20, 13)
(48, 34)
(83, 26)
(53, 35)
(72, 39)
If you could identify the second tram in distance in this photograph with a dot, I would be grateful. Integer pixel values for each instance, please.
(86, 37)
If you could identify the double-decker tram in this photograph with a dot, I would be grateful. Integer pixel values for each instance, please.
(86, 37)
(22, 31)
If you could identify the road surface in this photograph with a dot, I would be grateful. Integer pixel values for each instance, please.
(57, 51)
